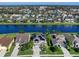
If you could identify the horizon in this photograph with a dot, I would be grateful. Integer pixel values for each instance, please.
(39, 3)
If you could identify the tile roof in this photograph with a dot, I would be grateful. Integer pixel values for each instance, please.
(5, 41)
(22, 37)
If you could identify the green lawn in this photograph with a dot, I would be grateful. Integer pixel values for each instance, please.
(45, 50)
(9, 52)
(53, 51)
(2, 35)
(46, 23)
(72, 51)
(26, 49)
(11, 35)
(26, 52)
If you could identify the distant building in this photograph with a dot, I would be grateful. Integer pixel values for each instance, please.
(69, 18)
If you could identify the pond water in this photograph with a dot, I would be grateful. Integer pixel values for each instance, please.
(36, 28)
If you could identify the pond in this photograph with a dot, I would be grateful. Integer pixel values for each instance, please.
(36, 28)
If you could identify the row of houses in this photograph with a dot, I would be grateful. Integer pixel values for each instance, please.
(62, 40)
(7, 42)
(39, 18)
(40, 13)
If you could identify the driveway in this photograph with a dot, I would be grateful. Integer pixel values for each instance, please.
(66, 52)
(2, 53)
(36, 50)
(16, 50)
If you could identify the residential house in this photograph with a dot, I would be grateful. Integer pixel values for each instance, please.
(59, 40)
(22, 38)
(75, 42)
(69, 18)
(6, 43)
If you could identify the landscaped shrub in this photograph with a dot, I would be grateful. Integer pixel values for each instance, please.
(51, 43)
(53, 48)
(48, 37)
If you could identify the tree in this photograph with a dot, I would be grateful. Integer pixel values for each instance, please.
(48, 37)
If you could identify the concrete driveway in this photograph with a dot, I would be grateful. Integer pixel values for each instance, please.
(65, 51)
(2, 52)
(16, 50)
(36, 50)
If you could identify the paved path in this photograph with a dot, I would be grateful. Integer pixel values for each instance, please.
(15, 51)
(36, 50)
(66, 52)
(2, 53)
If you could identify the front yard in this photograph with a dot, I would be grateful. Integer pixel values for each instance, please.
(26, 49)
(51, 50)
(10, 51)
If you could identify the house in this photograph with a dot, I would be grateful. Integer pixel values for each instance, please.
(6, 43)
(48, 18)
(16, 17)
(22, 38)
(75, 42)
(58, 40)
(69, 18)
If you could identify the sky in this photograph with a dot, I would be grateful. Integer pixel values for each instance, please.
(39, 3)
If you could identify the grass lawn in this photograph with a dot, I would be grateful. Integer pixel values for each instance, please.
(9, 52)
(26, 49)
(48, 51)
(46, 23)
(58, 51)
(26, 52)
(2, 35)
(11, 35)
(72, 51)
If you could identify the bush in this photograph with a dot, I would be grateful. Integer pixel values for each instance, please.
(53, 49)
(76, 49)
